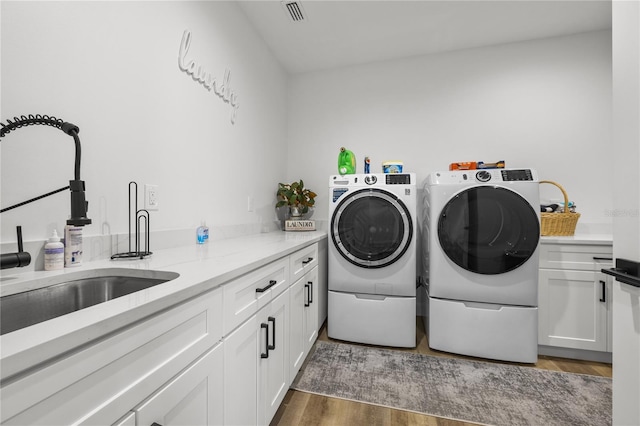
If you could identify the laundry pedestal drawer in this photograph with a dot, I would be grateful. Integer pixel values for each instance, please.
(483, 329)
(372, 319)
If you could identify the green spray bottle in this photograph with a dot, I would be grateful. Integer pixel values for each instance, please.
(346, 162)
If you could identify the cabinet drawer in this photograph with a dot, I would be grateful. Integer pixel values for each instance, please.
(195, 397)
(246, 295)
(101, 382)
(303, 261)
(574, 256)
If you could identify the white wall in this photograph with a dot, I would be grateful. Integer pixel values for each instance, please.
(544, 104)
(626, 226)
(111, 68)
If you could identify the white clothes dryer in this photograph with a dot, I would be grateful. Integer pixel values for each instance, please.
(481, 235)
(372, 259)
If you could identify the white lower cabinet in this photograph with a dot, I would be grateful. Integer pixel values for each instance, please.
(574, 299)
(263, 355)
(226, 357)
(101, 383)
(575, 310)
(241, 374)
(194, 397)
(310, 319)
(273, 370)
(256, 374)
(304, 318)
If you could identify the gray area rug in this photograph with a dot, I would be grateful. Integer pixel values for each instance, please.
(473, 391)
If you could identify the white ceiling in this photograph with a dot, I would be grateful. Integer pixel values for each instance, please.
(341, 33)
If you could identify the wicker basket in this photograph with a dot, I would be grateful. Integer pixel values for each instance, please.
(562, 224)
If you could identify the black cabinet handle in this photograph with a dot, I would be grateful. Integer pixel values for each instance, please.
(309, 289)
(263, 289)
(607, 259)
(272, 346)
(309, 260)
(603, 298)
(266, 327)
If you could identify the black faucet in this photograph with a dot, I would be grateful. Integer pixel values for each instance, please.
(79, 204)
(18, 259)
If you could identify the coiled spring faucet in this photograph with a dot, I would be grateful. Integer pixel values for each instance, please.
(79, 204)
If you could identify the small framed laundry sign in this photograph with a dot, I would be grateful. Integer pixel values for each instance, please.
(300, 225)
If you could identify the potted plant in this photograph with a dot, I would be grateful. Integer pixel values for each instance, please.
(296, 196)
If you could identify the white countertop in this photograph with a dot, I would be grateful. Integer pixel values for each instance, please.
(201, 268)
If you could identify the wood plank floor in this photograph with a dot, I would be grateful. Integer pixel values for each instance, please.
(300, 408)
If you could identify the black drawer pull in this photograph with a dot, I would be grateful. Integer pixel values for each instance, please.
(603, 298)
(265, 326)
(272, 346)
(607, 259)
(271, 284)
(309, 288)
(309, 260)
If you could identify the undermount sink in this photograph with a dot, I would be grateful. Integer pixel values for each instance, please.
(73, 292)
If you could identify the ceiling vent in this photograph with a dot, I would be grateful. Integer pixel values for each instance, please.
(294, 11)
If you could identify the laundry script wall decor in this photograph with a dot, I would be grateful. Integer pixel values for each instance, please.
(220, 87)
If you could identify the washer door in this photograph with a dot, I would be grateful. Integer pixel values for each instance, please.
(371, 228)
(488, 230)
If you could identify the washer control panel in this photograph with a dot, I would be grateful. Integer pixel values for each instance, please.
(397, 179)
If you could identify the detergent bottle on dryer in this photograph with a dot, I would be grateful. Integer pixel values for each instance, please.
(346, 162)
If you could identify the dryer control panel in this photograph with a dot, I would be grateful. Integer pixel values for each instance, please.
(516, 175)
(491, 176)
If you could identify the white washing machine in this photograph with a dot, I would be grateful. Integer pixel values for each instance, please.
(372, 259)
(480, 245)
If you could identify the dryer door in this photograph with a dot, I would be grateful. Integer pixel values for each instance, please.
(488, 230)
(371, 228)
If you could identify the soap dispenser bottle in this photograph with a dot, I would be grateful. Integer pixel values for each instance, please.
(54, 253)
(202, 233)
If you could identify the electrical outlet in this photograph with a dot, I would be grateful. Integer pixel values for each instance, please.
(151, 198)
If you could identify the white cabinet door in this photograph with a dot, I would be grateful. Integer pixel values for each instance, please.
(304, 319)
(323, 288)
(310, 309)
(274, 357)
(297, 295)
(572, 310)
(241, 374)
(194, 397)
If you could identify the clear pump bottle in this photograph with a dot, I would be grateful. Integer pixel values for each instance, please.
(54, 253)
